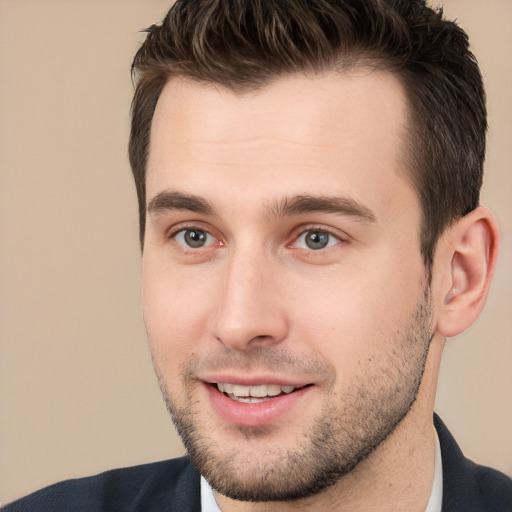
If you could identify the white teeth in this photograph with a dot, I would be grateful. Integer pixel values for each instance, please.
(241, 390)
(248, 399)
(262, 391)
(273, 390)
(258, 391)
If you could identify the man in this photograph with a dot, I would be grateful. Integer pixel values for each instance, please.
(308, 175)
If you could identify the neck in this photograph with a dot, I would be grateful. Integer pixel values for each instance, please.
(397, 477)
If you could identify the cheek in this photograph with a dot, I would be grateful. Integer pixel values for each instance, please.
(175, 310)
(356, 312)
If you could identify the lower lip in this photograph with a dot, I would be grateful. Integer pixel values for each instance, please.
(254, 414)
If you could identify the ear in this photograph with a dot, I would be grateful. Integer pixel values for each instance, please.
(469, 255)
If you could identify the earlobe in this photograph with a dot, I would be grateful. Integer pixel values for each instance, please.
(471, 250)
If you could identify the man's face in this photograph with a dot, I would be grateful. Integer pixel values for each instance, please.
(284, 292)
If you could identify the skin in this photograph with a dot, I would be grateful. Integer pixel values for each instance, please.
(356, 320)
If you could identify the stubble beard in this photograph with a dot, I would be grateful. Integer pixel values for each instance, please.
(349, 430)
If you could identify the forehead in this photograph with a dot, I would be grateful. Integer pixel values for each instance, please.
(307, 134)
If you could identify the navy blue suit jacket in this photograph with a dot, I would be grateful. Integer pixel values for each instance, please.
(174, 486)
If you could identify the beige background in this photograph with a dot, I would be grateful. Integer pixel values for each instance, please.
(77, 392)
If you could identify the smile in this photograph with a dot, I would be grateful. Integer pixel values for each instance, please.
(253, 394)
(255, 404)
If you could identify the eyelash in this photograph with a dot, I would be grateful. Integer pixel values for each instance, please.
(181, 230)
(301, 232)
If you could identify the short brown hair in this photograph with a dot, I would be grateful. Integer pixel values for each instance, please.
(246, 44)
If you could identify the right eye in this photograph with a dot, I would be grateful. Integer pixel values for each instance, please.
(194, 238)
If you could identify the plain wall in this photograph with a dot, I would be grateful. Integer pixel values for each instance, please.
(77, 391)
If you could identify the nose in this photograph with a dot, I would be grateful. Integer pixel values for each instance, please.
(250, 312)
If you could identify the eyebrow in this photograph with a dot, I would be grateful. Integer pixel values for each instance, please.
(304, 204)
(288, 206)
(169, 200)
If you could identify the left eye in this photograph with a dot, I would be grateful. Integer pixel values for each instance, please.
(194, 238)
(316, 240)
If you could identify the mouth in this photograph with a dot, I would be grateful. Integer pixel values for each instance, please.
(257, 403)
(253, 394)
